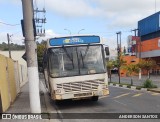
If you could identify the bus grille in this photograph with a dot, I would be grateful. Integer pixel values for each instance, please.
(80, 86)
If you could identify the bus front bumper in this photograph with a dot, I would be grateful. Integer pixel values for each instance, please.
(81, 95)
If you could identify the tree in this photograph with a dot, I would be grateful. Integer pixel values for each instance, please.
(147, 65)
(131, 68)
(40, 51)
(119, 63)
(110, 66)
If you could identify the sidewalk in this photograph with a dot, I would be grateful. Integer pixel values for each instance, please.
(22, 104)
(136, 81)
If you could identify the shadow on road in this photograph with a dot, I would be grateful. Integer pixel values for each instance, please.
(68, 104)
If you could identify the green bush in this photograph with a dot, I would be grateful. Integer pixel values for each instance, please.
(149, 84)
(139, 87)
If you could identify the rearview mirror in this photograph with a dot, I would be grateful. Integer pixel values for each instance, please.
(107, 50)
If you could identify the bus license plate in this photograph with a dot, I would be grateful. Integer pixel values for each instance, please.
(83, 94)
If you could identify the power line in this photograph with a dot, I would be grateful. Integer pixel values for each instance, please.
(9, 24)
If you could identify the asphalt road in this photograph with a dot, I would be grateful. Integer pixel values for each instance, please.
(120, 100)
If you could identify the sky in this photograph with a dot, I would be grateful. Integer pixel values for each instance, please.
(96, 17)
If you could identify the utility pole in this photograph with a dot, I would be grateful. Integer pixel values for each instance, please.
(120, 41)
(135, 34)
(118, 53)
(40, 21)
(9, 49)
(31, 57)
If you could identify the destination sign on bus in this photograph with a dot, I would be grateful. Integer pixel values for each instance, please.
(74, 40)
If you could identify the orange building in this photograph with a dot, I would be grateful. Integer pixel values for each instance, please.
(129, 59)
(145, 49)
(147, 44)
(150, 49)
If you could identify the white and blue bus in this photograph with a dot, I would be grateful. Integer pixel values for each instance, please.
(75, 68)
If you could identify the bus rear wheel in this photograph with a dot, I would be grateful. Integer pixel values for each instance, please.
(94, 98)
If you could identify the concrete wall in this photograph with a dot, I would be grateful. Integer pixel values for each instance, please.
(16, 55)
(12, 76)
(4, 89)
(22, 64)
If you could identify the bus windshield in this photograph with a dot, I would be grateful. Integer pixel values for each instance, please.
(74, 61)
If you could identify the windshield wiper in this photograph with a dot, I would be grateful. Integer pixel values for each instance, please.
(82, 59)
(71, 58)
(86, 52)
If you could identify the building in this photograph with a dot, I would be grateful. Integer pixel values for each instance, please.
(149, 44)
(132, 43)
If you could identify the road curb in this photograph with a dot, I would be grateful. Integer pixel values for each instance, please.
(144, 89)
(154, 90)
(117, 85)
(49, 107)
(135, 87)
(124, 86)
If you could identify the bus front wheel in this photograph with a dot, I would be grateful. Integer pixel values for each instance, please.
(95, 98)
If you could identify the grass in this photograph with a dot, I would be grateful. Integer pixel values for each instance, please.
(149, 84)
(139, 87)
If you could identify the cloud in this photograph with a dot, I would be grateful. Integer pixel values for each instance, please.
(14, 38)
(49, 34)
(126, 13)
(3, 37)
(120, 13)
(122, 22)
(72, 8)
(15, 2)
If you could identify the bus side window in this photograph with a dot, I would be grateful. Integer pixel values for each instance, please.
(45, 60)
(107, 50)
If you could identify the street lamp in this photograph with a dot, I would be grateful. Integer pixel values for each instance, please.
(119, 53)
(68, 31)
(80, 30)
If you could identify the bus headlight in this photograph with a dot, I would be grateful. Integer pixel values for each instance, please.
(105, 86)
(60, 91)
(100, 87)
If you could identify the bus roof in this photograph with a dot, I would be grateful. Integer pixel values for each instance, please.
(73, 40)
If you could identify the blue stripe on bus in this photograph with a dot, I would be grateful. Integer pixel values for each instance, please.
(74, 40)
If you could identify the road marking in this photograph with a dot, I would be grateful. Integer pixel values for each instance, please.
(158, 106)
(120, 102)
(122, 95)
(137, 95)
(102, 97)
(154, 94)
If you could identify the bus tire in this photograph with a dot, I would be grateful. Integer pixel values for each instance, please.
(95, 98)
(49, 93)
(57, 102)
